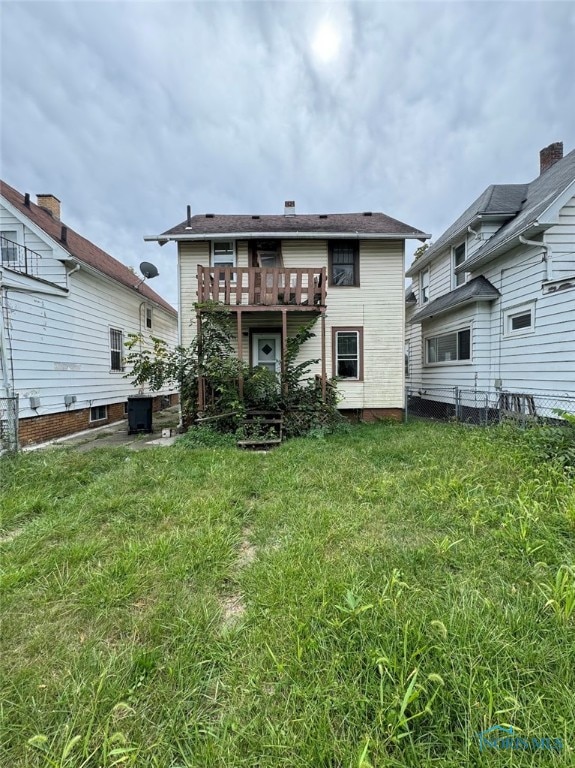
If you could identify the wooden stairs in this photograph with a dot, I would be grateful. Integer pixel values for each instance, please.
(263, 430)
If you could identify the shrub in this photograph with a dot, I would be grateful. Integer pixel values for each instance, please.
(206, 437)
(555, 443)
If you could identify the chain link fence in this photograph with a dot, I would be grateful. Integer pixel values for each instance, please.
(484, 407)
(8, 425)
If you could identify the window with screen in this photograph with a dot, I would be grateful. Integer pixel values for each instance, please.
(343, 263)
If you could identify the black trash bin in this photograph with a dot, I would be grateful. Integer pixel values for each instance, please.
(140, 414)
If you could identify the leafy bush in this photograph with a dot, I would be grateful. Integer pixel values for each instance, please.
(211, 357)
(206, 437)
(555, 443)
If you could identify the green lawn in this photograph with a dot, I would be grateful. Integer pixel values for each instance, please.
(368, 599)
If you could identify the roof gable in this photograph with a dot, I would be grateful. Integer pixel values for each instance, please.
(80, 248)
(498, 200)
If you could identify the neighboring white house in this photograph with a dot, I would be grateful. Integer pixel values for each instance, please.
(491, 307)
(67, 308)
(276, 271)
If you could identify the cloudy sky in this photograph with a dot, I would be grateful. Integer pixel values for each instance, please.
(129, 111)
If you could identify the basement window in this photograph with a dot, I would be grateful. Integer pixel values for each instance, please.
(99, 413)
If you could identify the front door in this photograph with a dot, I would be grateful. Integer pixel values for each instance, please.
(267, 351)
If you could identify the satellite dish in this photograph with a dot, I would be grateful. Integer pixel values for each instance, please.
(148, 270)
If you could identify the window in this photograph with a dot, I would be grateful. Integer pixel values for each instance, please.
(449, 347)
(116, 348)
(519, 321)
(425, 286)
(343, 262)
(99, 413)
(347, 353)
(458, 259)
(223, 255)
(407, 351)
(9, 246)
(148, 317)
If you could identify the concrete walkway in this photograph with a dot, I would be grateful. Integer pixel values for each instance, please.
(116, 435)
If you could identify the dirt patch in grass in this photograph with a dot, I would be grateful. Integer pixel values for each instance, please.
(233, 606)
(8, 536)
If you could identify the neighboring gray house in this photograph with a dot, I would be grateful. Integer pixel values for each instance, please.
(491, 306)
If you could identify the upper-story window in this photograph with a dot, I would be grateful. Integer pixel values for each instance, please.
(458, 259)
(424, 286)
(223, 254)
(148, 317)
(343, 262)
(8, 244)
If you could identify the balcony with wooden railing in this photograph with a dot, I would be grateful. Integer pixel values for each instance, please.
(258, 287)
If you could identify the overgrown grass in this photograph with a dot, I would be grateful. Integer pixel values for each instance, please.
(395, 590)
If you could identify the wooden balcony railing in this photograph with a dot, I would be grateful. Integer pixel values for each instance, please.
(258, 286)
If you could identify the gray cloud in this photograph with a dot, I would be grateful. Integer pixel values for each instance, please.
(129, 111)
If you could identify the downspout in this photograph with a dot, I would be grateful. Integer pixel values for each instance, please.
(475, 233)
(548, 255)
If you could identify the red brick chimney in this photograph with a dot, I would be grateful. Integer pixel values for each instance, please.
(50, 204)
(550, 155)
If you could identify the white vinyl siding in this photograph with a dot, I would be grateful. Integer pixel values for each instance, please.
(60, 342)
(377, 306)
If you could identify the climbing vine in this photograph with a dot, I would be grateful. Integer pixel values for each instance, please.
(211, 357)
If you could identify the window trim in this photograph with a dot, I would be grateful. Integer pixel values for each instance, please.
(347, 329)
(515, 311)
(121, 350)
(422, 299)
(3, 234)
(100, 418)
(454, 265)
(354, 245)
(455, 331)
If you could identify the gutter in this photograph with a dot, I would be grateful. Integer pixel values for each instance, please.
(546, 257)
(162, 239)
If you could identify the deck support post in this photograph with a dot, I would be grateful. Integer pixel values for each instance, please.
(284, 349)
(200, 362)
(323, 362)
(240, 355)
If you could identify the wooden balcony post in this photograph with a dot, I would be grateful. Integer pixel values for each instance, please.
(201, 403)
(284, 349)
(240, 354)
(323, 363)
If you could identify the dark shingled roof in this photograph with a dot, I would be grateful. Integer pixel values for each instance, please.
(519, 205)
(540, 195)
(80, 248)
(498, 199)
(332, 223)
(478, 289)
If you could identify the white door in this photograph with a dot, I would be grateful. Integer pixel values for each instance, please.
(267, 351)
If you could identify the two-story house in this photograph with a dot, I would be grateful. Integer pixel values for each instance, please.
(491, 306)
(67, 308)
(273, 271)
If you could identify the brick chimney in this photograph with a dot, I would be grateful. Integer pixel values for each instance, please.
(49, 203)
(289, 208)
(550, 155)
